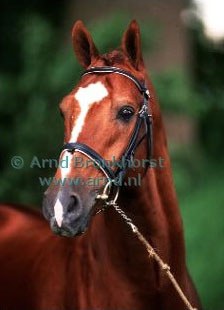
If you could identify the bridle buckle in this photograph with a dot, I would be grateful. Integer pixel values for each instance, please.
(105, 196)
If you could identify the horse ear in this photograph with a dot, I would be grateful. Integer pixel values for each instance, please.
(83, 44)
(131, 45)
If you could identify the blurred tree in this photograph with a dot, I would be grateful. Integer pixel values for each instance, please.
(208, 67)
(12, 13)
(32, 81)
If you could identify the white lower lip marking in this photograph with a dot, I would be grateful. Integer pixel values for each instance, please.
(58, 212)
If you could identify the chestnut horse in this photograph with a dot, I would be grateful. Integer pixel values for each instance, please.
(106, 268)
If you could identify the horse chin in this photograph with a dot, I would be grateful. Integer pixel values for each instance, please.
(70, 229)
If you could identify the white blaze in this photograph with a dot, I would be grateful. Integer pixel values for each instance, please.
(86, 97)
(66, 160)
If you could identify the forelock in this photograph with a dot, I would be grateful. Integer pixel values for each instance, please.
(113, 58)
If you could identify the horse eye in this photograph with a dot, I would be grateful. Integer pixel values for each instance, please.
(125, 113)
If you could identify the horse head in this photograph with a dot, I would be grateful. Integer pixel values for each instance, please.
(106, 116)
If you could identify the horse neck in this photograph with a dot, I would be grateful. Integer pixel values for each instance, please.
(154, 210)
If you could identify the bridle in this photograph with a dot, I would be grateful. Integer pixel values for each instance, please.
(144, 116)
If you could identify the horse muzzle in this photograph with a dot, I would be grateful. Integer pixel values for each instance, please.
(68, 212)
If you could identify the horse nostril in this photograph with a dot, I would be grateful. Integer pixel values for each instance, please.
(74, 203)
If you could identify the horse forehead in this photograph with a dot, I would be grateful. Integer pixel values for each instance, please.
(93, 92)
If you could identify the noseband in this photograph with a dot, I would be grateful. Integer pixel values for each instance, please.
(144, 116)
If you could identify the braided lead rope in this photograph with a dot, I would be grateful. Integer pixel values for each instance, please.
(153, 254)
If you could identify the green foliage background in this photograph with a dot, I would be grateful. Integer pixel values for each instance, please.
(38, 68)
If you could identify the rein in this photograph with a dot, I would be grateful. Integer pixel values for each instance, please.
(144, 116)
(151, 252)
